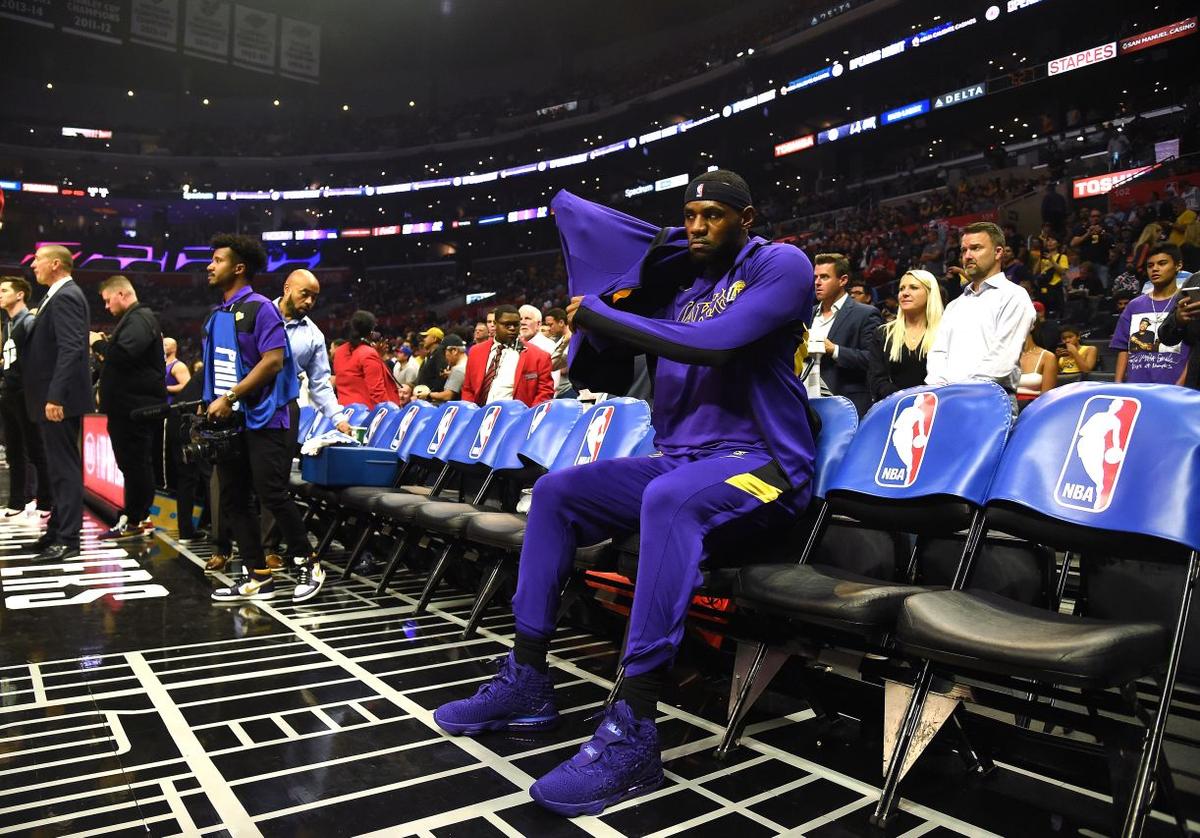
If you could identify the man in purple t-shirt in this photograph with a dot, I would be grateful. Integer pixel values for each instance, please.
(265, 393)
(1142, 358)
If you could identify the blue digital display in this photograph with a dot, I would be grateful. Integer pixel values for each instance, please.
(906, 112)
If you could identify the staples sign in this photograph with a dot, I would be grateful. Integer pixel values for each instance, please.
(1082, 59)
(1090, 187)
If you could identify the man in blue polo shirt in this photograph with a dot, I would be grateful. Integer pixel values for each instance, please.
(248, 368)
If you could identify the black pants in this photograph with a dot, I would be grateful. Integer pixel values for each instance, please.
(65, 468)
(23, 444)
(263, 471)
(131, 443)
(271, 534)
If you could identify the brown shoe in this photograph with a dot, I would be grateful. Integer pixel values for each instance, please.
(216, 564)
(274, 562)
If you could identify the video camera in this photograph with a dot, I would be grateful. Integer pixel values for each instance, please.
(204, 441)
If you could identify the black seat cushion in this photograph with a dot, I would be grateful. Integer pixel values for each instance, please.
(447, 517)
(985, 631)
(399, 505)
(937, 515)
(505, 530)
(321, 494)
(823, 594)
(361, 498)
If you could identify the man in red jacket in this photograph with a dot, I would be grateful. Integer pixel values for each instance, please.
(508, 368)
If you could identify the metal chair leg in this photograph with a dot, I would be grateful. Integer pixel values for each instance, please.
(435, 576)
(891, 784)
(327, 539)
(490, 586)
(359, 546)
(736, 716)
(394, 562)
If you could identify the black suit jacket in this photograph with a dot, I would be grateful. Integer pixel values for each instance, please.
(55, 365)
(854, 330)
(134, 372)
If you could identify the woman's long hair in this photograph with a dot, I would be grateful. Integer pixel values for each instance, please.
(893, 333)
(362, 324)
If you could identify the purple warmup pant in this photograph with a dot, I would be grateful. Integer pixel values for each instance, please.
(677, 502)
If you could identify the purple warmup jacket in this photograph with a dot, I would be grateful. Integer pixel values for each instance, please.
(721, 351)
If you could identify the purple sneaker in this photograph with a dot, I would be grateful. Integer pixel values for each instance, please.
(621, 761)
(518, 697)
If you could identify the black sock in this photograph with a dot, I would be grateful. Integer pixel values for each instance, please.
(531, 651)
(641, 692)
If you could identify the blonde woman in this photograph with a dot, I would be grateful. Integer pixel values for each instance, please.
(898, 355)
(1151, 236)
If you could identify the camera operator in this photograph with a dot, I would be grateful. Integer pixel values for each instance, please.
(249, 375)
(132, 375)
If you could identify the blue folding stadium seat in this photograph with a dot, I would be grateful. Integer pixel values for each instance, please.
(1113, 472)
(906, 470)
(308, 415)
(370, 464)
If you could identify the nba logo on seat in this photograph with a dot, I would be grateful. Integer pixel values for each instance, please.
(379, 417)
(904, 451)
(405, 424)
(443, 425)
(1093, 464)
(594, 439)
(539, 413)
(485, 431)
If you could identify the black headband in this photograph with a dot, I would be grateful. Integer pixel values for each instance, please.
(715, 190)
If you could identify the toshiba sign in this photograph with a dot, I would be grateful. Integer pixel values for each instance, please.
(1090, 187)
(1082, 59)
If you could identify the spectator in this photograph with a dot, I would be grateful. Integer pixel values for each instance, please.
(405, 394)
(508, 368)
(1039, 371)
(407, 367)
(1054, 207)
(22, 437)
(177, 375)
(456, 368)
(482, 335)
(560, 333)
(1050, 273)
(860, 292)
(1150, 237)
(1183, 217)
(361, 375)
(1074, 358)
(1182, 327)
(898, 357)
(531, 333)
(1014, 268)
(983, 330)
(433, 368)
(1142, 356)
(841, 335)
(1093, 241)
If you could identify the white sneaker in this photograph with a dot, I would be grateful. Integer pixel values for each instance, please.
(251, 587)
(311, 579)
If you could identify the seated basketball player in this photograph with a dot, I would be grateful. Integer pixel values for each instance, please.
(721, 315)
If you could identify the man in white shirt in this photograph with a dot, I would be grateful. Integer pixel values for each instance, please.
(531, 333)
(983, 330)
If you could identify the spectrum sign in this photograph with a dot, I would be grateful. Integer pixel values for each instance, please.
(906, 112)
(1085, 58)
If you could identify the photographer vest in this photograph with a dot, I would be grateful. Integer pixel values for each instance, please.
(224, 366)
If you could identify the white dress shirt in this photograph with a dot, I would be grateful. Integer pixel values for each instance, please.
(506, 373)
(818, 333)
(982, 334)
(548, 346)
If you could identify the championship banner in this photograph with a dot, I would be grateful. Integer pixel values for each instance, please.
(37, 12)
(255, 39)
(300, 50)
(206, 28)
(154, 23)
(100, 20)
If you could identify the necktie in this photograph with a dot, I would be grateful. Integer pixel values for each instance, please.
(490, 375)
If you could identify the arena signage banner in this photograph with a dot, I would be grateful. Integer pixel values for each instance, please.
(906, 112)
(300, 50)
(154, 23)
(963, 94)
(254, 39)
(798, 144)
(101, 476)
(1154, 37)
(206, 27)
(1084, 58)
(37, 12)
(1090, 187)
(100, 20)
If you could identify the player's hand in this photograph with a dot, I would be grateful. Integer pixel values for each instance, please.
(54, 412)
(345, 428)
(219, 408)
(571, 309)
